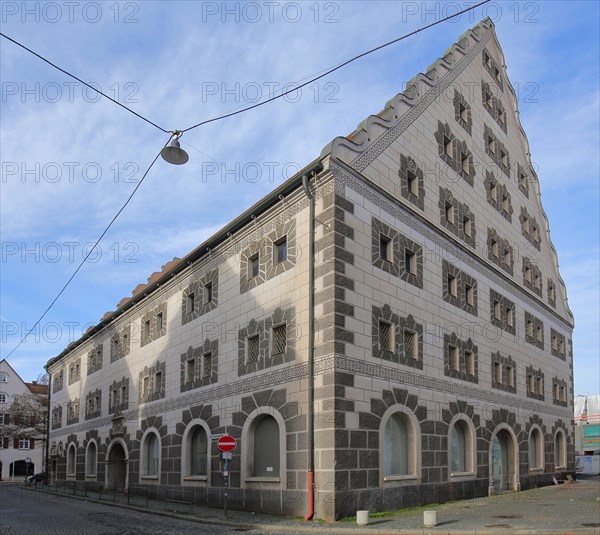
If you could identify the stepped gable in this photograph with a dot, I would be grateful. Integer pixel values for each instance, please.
(377, 132)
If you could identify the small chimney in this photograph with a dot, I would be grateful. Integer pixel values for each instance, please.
(34, 383)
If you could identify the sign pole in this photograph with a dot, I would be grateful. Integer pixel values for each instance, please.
(226, 445)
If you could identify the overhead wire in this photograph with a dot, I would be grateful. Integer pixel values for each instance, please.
(23, 338)
(83, 82)
(333, 69)
(179, 133)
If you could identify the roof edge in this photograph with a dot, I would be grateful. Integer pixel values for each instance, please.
(269, 200)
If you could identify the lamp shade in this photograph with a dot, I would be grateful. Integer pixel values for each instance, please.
(173, 153)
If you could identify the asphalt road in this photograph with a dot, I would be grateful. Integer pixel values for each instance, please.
(30, 513)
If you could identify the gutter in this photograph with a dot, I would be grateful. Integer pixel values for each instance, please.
(47, 453)
(237, 224)
(311, 349)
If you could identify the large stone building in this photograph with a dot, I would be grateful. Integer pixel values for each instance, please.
(21, 445)
(439, 354)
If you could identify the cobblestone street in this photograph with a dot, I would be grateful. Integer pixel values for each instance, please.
(563, 509)
(23, 512)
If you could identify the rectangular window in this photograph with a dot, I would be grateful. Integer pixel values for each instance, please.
(146, 386)
(495, 248)
(464, 161)
(147, 328)
(386, 336)
(208, 292)
(467, 226)
(470, 362)
(530, 328)
(561, 347)
(469, 295)
(528, 274)
(448, 146)
(496, 74)
(410, 262)
(491, 145)
(563, 394)
(412, 182)
(502, 117)
(509, 316)
(190, 303)
(452, 285)
(523, 181)
(510, 376)
(493, 191)
(539, 333)
(280, 250)
(410, 344)
(498, 372)
(462, 111)
(497, 310)
(505, 203)
(115, 344)
(207, 365)
(489, 100)
(190, 370)
(449, 210)
(453, 358)
(385, 248)
(159, 321)
(252, 347)
(253, 266)
(531, 383)
(123, 399)
(279, 339)
(539, 387)
(504, 158)
(157, 381)
(23, 443)
(507, 257)
(555, 391)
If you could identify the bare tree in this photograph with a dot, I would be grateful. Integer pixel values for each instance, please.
(27, 417)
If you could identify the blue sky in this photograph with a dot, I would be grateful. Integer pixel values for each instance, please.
(69, 159)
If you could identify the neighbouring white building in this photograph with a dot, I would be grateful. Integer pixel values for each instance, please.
(388, 328)
(18, 454)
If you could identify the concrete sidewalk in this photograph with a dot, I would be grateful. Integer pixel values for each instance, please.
(567, 508)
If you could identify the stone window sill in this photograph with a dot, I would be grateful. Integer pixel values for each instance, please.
(195, 478)
(536, 470)
(557, 468)
(150, 478)
(408, 477)
(263, 480)
(90, 476)
(461, 476)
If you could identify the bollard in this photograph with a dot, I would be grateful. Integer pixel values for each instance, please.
(430, 519)
(362, 518)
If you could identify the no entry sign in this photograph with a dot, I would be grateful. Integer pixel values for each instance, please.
(226, 443)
